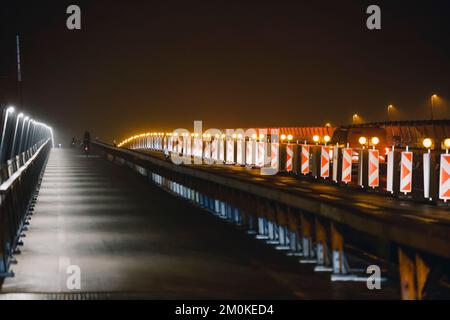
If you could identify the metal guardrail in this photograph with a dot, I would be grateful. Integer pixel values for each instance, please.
(24, 148)
(16, 194)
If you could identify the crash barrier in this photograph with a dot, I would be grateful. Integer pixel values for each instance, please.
(336, 238)
(24, 147)
(412, 174)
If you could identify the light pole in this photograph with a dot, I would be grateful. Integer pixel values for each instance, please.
(389, 109)
(13, 149)
(434, 96)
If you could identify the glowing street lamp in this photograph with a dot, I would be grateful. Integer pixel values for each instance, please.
(363, 141)
(447, 144)
(316, 139)
(290, 137)
(427, 143)
(326, 139)
(375, 141)
(283, 137)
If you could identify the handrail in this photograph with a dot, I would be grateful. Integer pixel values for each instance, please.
(16, 195)
(7, 184)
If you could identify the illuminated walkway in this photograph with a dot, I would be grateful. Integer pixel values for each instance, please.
(131, 238)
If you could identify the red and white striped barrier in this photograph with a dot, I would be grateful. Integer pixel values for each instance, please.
(444, 178)
(274, 155)
(325, 162)
(374, 168)
(305, 159)
(347, 155)
(406, 172)
(289, 157)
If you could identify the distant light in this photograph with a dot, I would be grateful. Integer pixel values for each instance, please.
(316, 138)
(427, 143)
(239, 136)
(261, 136)
(362, 140)
(20, 115)
(290, 137)
(375, 141)
(217, 136)
(10, 109)
(447, 143)
(327, 139)
(254, 136)
(223, 136)
(234, 136)
(328, 125)
(283, 137)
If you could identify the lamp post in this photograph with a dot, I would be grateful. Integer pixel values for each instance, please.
(434, 96)
(389, 109)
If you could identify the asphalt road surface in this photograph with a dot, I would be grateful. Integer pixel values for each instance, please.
(131, 239)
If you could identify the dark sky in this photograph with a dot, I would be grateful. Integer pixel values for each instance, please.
(137, 65)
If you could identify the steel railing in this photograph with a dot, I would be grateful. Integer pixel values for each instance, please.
(24, 148)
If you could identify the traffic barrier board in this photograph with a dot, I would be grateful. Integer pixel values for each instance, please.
(444, 177)
(374, 168)
(325, 162)
(305, 160)
(406, 172)
(347, 165)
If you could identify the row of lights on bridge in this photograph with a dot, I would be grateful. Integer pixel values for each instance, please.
(428, 143)
(20, 116)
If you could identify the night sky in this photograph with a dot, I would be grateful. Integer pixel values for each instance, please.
(138, 65)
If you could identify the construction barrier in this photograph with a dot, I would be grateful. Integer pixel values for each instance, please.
(305, 160)
(274, 155)
(325, 162)
(374, 168)
(347, 154)
(406, 172)
(444, 181)
(289, 157)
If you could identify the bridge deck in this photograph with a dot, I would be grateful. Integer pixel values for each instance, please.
(130, 237)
